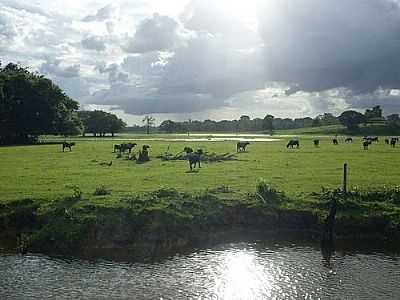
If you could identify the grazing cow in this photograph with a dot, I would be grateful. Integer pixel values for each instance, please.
(293, 143)
(393, 142)
(366, 143)
(124, 146)
(193, 157)
(348, 140)
(335, 142)
(371, 138)
(387, 142)
(241, 146)
(316, 143)
(67, 145)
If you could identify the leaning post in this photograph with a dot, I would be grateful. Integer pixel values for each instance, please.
(345, 178)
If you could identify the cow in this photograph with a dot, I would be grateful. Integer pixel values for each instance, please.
(393, 142)
(387, 142)
(366, 143)
(348, 140)
(67, 145)
(371, 138)
(293, 143)
(316, 143)
(124, 146)
(335, 142)
(193, 157)
(241, 146)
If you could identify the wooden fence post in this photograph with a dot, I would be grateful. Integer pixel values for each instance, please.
(345, 178)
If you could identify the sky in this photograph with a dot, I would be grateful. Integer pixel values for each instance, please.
(211, 59)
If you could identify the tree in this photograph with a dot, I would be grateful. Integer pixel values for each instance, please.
(244, 123)
(100, 122)
(31, 105)
(268, 123)
(351, 119)
(393, 121)
(373, 114)
(149, 122)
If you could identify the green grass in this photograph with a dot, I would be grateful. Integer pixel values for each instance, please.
(45, 172)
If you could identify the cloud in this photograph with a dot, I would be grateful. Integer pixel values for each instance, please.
(158, 33)
(7, 31)
(94, 43)
(104, 13)
(56, 68)
(298, 57)
(115, 75)
(323, 45)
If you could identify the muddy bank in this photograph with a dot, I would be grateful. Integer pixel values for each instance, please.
(166, 223)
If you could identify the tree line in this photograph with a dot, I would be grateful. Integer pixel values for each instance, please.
(350, 119)
(32, 105)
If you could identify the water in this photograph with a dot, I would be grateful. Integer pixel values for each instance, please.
(258, 270)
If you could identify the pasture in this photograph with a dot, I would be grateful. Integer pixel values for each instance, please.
(44, 172)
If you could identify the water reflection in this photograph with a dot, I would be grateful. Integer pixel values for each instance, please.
(241, 276)
(258, 270)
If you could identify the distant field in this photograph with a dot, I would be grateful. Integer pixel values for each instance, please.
(45, 172)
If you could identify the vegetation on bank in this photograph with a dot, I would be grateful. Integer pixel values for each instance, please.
(166, 219)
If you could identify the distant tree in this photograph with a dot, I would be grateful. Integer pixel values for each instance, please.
(326, 119)
(149, 122)
(374, 113)
(244, 123)
(351, 119)
(100, 122)
(268, 123)
(31, 105)
(171, 126)
(393, 121)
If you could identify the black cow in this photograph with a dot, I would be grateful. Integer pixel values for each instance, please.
(293, 143)
(241, 146)
(193, 157)
(387, 142)
(335, 142)
(124, 146)
(67, 145)
(371, 138)
(366, 143)
(393, 142)
(348, 140)
(316, 143)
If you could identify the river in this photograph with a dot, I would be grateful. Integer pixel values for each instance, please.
(256, 270)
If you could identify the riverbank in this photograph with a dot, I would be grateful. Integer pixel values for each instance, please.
(167, 221)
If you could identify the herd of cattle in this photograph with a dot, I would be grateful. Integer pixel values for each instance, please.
(366, 141)
(194, 157)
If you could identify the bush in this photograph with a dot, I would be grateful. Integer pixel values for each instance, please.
(268, 194)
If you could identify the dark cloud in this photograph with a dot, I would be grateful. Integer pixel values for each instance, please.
(158, 33)
(320, 45)
(94, 43)
(54, 67)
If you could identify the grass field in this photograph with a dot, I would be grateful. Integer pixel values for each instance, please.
(45, 172)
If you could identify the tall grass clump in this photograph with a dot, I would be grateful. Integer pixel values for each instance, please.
(267, 194)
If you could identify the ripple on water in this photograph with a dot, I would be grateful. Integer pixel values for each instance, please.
(233, 271)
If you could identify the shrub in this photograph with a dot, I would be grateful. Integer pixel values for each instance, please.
(266, 193)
